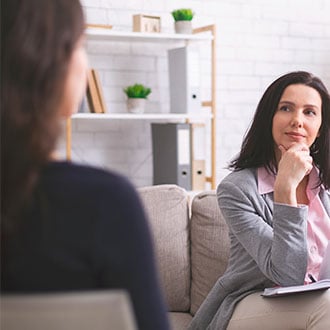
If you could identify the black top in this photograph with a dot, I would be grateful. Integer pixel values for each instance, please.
(86, 230)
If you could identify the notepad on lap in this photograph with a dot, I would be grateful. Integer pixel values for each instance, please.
(322, 284)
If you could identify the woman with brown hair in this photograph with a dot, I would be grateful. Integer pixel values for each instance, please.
(276, 203)
(64, 226)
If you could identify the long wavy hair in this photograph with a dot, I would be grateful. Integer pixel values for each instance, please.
(258, 144)
(38, 38)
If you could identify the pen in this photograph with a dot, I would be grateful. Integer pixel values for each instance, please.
(311, 277)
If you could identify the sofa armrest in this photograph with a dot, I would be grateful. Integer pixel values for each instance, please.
(97, 310)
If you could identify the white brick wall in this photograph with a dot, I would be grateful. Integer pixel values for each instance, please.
(257, 41)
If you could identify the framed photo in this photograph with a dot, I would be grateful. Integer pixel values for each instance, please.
(146, 23)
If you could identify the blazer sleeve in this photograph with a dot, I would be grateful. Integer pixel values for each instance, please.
(277, 245)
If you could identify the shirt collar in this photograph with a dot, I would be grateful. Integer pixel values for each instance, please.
(266, 181)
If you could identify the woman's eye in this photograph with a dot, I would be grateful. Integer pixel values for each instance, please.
(284, 108)
(310, 112)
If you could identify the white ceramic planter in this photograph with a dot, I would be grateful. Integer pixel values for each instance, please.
(135, 105)
(183, 27)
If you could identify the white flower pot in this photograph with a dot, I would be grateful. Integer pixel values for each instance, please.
(184, 27)
(135, 105)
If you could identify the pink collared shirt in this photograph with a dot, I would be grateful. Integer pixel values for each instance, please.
(318, 222)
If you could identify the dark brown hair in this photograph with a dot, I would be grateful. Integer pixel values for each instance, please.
(37, 40)
(258, 144)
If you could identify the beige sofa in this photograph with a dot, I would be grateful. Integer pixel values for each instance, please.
(192, 246)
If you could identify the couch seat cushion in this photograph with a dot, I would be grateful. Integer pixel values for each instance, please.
(180, 321)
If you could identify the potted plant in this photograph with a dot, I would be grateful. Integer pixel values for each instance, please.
(136, 97)
(182, 18)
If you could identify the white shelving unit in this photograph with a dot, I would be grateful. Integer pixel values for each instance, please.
(203, 34)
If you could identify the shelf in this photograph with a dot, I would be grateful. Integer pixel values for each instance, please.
(143, 116)
(204, 33)
(105, 34)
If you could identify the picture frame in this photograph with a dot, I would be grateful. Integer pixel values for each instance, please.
(146, 23)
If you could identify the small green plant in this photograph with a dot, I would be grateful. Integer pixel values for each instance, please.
(137, 91)
(183, 14)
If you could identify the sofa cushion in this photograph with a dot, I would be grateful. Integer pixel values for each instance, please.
(167, 210)
(179, 321)
(209, 246)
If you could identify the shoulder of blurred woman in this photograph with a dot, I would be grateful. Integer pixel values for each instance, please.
(84, 179)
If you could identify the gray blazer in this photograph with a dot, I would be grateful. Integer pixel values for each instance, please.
(268, 246)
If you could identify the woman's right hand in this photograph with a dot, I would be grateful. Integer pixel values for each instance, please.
(294, 165)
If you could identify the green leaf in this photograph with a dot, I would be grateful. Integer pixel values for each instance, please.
(183, 14)
(137, 91)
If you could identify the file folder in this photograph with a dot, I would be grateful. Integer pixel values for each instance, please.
(198, 165)
(171, 147)
(198, 174)
(184, 79)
